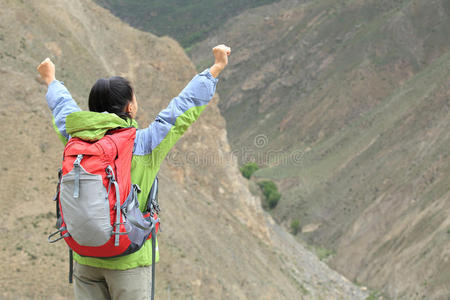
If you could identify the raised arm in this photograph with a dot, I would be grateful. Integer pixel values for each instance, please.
(58, 97)
(181, 112)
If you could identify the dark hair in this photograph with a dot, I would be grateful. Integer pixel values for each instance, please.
(111, 95)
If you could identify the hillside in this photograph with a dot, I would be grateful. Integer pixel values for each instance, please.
(188, 22)
(346, 105)
(216, 242)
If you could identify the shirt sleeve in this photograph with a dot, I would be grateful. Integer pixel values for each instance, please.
(61, 104)
(174, 120)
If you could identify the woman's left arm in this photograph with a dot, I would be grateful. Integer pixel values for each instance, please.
(61, 104)
(58, 97)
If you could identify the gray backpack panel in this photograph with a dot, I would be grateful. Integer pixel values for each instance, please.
(86, 216)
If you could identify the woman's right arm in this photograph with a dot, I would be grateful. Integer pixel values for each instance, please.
(58, 97)
(174, 120)
(182, 111)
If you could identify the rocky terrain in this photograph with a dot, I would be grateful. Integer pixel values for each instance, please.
(186, 21)
(215, 242)
(346, 107)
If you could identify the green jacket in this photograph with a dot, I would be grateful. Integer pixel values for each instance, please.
(150, 147)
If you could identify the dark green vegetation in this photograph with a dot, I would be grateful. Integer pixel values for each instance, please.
(295, 227)
(270, 192)
(186, 21)
(361, 90)
(248, 169)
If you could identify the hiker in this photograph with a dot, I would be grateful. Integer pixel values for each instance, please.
(115, 106)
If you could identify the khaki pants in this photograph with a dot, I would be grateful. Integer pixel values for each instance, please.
(98, 283)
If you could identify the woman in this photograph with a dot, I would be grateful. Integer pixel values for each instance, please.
(127, 277)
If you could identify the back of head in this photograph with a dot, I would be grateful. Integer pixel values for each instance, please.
(111, 95)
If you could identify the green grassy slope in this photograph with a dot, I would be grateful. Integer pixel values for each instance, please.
(186, 21)
(346, 104)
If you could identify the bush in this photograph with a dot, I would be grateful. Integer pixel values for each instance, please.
(323, 253)
(270, 192)
(295, 227)
(248, 169)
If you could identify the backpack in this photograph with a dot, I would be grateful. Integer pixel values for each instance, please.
(97, 208)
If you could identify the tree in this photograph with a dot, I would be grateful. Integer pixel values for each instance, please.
(248, 169)
(270, 192)
(295, 227)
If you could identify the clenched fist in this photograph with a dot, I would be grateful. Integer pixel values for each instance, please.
(47, 70)
(221, 53)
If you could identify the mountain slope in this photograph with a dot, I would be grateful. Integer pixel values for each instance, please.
(216, 240)
(186, 21)
(346, 105)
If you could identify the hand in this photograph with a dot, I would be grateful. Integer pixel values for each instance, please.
(221, 53)
(47, 71)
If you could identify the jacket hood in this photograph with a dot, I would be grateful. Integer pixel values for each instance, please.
(92, 126)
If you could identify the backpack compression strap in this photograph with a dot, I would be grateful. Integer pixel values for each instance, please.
(112, 179)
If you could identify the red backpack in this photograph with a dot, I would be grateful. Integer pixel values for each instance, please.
(96, 204)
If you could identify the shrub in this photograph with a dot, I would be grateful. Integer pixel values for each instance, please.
(248, 169)
(374, 296)
(323, 253)
(270, 192)
(295, 227)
